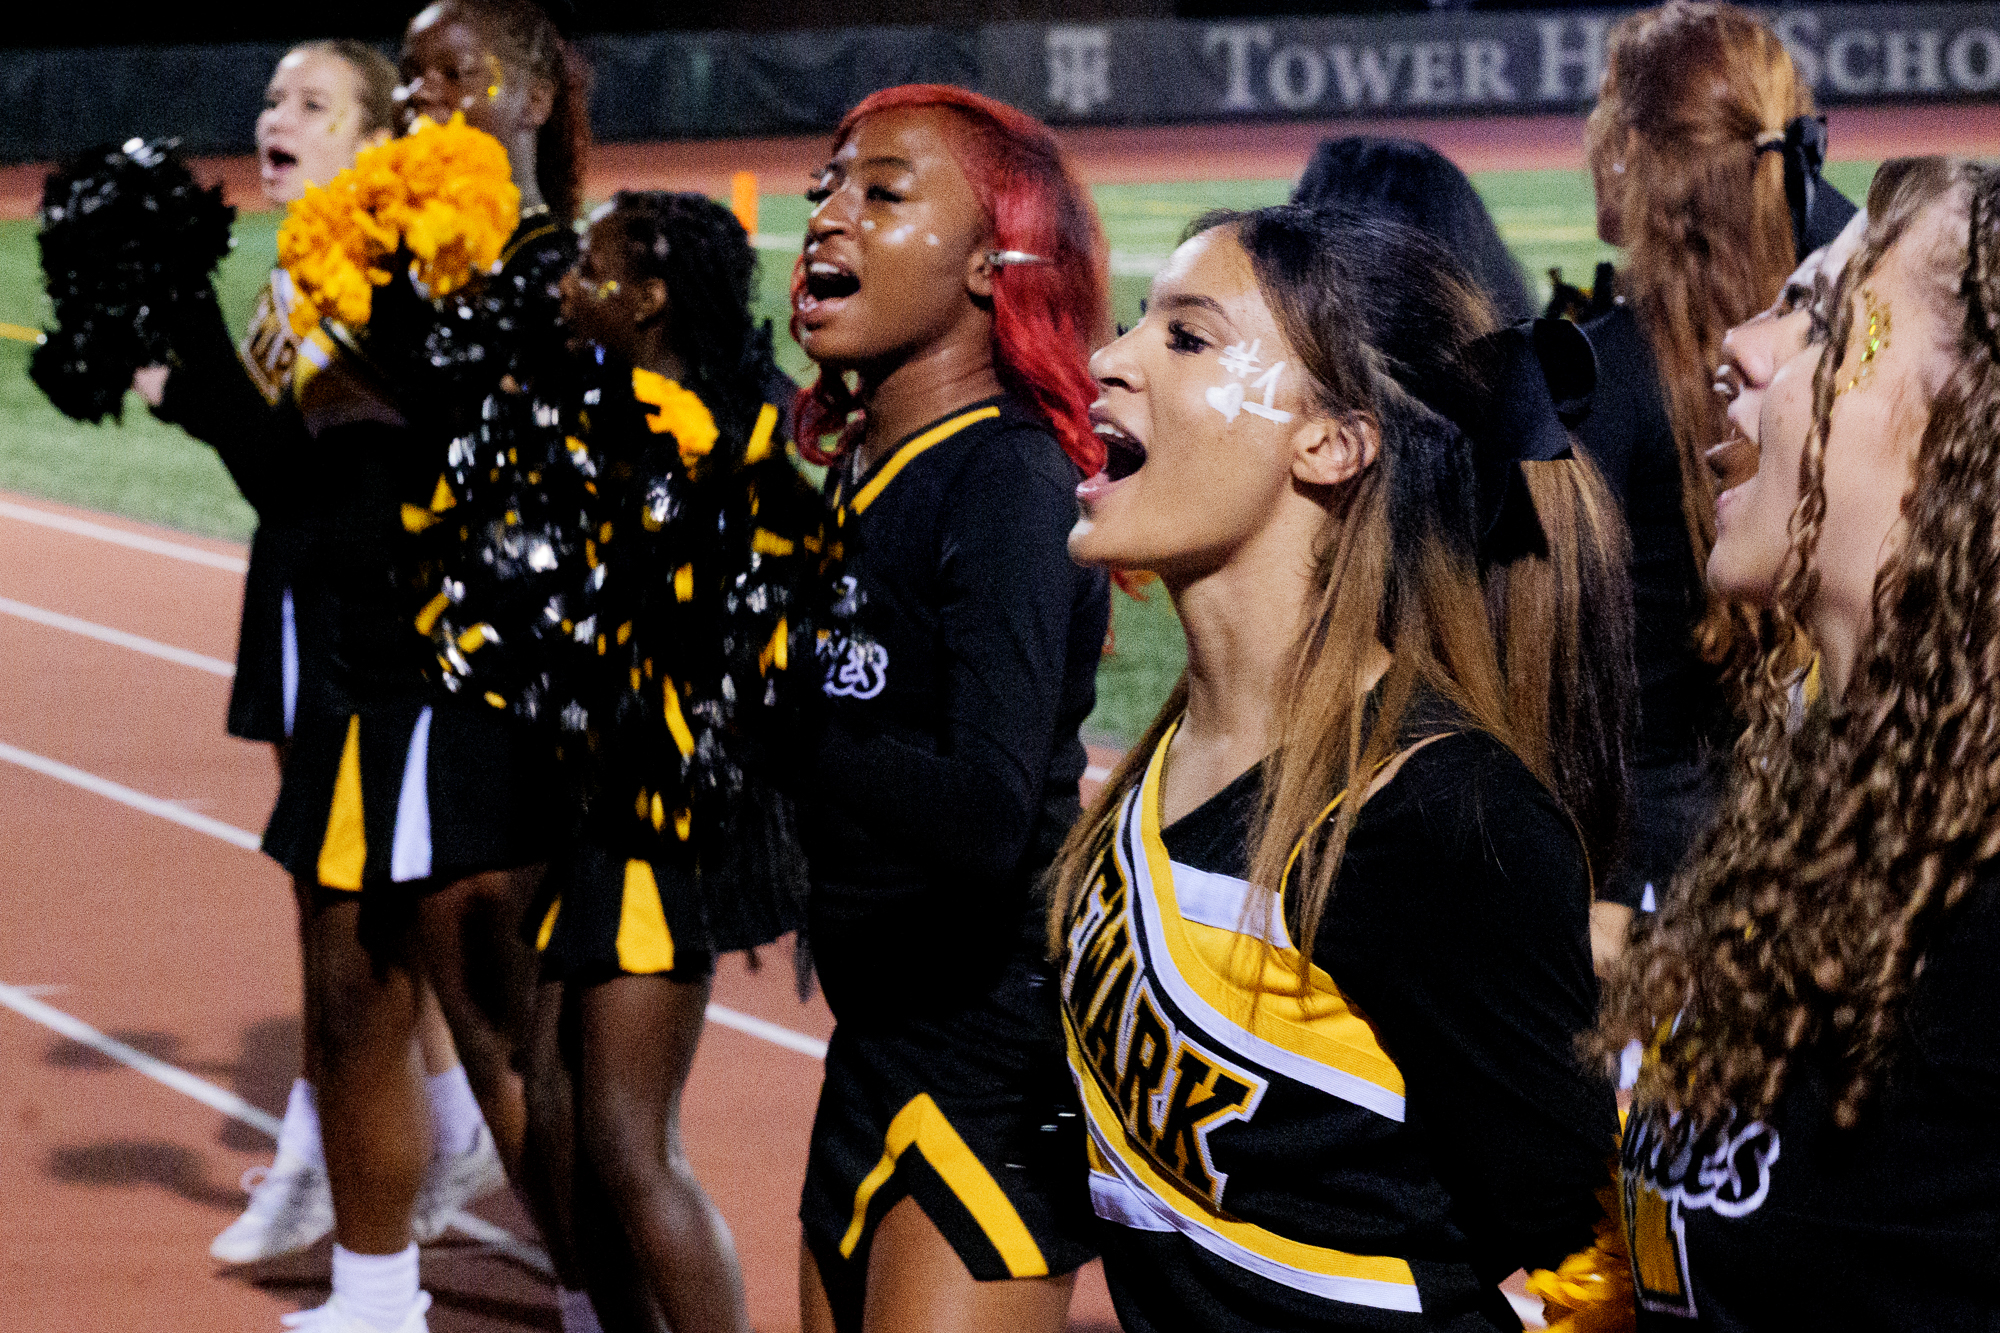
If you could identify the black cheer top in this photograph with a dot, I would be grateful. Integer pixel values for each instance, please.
(945, 778)
(1377, 1154)
(1685, 726)
(1793, 1223)
(232, 398)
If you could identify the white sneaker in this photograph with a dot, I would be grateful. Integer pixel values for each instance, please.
(290, 1208)
(333, 1317)
(452, 1182)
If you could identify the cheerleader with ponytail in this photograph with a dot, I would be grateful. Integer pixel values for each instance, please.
(1324, 936)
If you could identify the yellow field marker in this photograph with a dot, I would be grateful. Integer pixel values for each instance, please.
(21, 333)
(743, 199)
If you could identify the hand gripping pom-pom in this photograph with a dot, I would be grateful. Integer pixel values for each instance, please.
(128, 241)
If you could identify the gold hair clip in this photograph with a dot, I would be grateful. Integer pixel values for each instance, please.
(1872, 342)
(605, 290)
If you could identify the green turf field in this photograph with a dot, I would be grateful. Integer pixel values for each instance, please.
(152, 472)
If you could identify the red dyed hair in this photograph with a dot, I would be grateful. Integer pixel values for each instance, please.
(1045, 316)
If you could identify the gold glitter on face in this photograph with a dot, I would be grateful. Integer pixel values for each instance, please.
(1873, 340)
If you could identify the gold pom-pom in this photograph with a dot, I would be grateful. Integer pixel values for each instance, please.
(1591, 1291)
(442, 197)
(677, 412)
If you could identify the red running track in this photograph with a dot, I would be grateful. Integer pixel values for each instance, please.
(179, 945)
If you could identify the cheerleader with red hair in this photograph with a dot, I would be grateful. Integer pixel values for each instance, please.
(951, 289)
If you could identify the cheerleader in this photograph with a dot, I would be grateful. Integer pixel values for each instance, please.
(417, 823)
(952, 282)
(1810, 1143)
(1324, 936)
(1752, 354)
(680, 689)
(327, 100)
(1705, 156)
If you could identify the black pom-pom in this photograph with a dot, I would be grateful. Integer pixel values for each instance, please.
(128, 241)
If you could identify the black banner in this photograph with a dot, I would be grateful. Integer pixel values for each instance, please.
(1129, 72)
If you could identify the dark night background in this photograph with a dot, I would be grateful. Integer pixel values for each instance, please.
(123, 23)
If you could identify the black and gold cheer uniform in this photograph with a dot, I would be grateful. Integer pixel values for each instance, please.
(203, 398)
(1793, 1223)
(691, 599)
(945, 780)
(1380, 1151)
(386, 780)
(1680, 750)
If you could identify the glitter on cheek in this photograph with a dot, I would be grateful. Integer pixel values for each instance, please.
(931, 238)
(868, 224)
(901, 234)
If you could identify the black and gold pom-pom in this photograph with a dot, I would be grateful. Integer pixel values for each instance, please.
(128, 241)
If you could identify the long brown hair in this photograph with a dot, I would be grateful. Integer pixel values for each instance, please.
(1844, 842)
(1563, 613)
(1387, 327)
(1689, 90)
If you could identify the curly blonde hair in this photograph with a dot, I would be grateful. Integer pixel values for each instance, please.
(1845, 842)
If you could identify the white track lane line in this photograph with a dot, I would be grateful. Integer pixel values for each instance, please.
(771, 1032)
(83, 527)
(137, 800)
(22, 1002)
(250, 842)
(90, 629)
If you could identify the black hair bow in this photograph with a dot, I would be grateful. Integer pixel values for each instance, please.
(1543, 373)
(1818, 210)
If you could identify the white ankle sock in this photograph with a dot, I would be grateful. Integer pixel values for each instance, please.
(377, 1289)
(299, 1135)
(455, 1118)
(578, 1315)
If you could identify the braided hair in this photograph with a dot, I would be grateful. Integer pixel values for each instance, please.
(700, 251)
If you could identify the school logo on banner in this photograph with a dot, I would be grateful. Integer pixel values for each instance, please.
(1079, 67)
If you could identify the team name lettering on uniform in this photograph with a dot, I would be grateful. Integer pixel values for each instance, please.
(1170, 1090)
(1726, 1170)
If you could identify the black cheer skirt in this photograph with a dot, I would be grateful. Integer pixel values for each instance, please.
(411, 792)
(611, 913)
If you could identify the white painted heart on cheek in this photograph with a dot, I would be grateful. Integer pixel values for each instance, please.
(1226, 399)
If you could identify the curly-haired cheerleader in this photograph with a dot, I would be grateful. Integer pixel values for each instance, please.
(326, 101)
(1811, 1143)
(954, 272)
(1325, 933)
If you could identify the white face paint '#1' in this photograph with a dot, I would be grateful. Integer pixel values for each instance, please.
(1230, 397)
